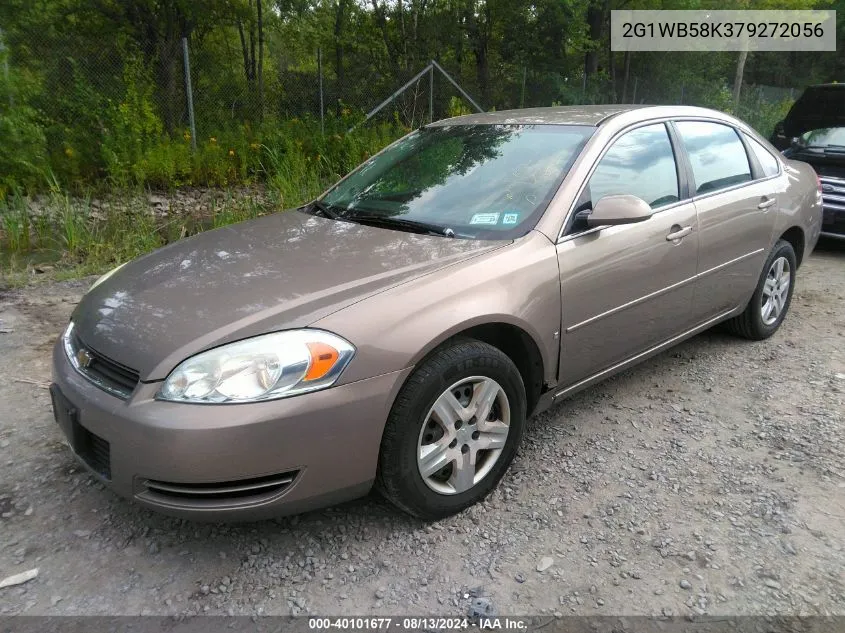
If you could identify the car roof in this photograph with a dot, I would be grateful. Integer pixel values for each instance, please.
(593, 115)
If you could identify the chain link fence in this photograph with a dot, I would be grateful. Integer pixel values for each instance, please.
(81, 84)
(233, 93)
(81, 109)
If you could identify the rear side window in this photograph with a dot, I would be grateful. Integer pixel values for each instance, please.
(641, 163)
(717, 155)
(768, 162)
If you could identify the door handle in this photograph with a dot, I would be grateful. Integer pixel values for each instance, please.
(679, 233)
(767, 202)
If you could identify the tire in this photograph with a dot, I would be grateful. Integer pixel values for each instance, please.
(460, 367)
(751, 324)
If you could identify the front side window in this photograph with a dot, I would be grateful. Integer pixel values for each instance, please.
(641, 163)
(717, 155)
(768, 162)
(477, 181)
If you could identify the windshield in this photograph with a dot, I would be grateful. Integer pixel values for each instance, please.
(825, 137)
(473, 181)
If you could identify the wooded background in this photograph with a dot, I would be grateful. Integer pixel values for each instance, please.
(94, 91)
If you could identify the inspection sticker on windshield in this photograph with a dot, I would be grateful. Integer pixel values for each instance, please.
(510, 217)
(485, 218)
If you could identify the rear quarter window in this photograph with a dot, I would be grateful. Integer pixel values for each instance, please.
(768, 162)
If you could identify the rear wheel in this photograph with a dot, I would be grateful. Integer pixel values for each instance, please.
(770, 302)
(453, 430)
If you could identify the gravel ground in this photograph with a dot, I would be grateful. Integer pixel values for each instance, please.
(710, 479)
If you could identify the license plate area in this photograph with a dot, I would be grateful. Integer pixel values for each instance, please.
(91, 448)
(64, 413)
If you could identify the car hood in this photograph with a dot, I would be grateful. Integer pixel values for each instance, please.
(796, 126)
(281, 271)
(819, 107)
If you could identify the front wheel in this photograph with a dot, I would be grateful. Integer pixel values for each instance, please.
(770, 302)
(453, 430)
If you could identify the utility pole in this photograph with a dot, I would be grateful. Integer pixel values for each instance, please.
(431, 94)
(4, 53)
(189, 93)
(322, 107)
(522, 98)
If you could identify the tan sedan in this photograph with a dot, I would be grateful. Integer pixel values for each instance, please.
(399, 330)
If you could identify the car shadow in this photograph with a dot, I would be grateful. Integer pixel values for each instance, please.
(830, 245)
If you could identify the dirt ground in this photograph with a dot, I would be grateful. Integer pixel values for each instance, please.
(710, 479)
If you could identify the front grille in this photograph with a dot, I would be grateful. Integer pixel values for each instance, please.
(93, 450)
(107, 374)
(219, 493)
(833, 193)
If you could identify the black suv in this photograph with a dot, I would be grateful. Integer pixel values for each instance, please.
(814, 132)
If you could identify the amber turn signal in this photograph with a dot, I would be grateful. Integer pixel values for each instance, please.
(323, 358)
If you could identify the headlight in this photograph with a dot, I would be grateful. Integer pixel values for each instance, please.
(106, 276)
(260, 368)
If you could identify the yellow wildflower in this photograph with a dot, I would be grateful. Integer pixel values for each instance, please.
(68, 152)
(231, 152)
(212, 140)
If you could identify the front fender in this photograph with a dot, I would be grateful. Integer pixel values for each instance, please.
(518, 285)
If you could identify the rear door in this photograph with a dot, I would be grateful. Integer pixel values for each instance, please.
(627, 288)
(736, 204)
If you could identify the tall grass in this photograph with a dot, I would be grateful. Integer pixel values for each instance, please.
(16, 224)
(83, 227)
(76, 237)
(85, 231)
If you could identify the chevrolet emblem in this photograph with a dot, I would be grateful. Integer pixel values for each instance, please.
(84, 358)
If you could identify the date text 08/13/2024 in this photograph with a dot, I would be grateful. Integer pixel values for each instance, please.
(415, 623)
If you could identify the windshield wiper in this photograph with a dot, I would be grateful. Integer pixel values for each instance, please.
(392, 222)
(325, 209)
(835, 148)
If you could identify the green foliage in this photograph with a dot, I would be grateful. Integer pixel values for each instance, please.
(99, 96)
(292, 157)
(23, 145)
(23, 155)
(457, 107)
(763, 116)
(16, 224)
(131, 125)
(94, 100)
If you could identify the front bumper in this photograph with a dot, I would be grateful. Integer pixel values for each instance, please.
(833, 222)
(227, 462)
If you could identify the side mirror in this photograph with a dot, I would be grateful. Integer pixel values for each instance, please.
(619, 209)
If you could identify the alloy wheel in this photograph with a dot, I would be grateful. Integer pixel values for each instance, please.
(463, 435)
(775, 290)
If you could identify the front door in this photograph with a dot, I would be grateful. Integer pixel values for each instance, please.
(627, 288)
